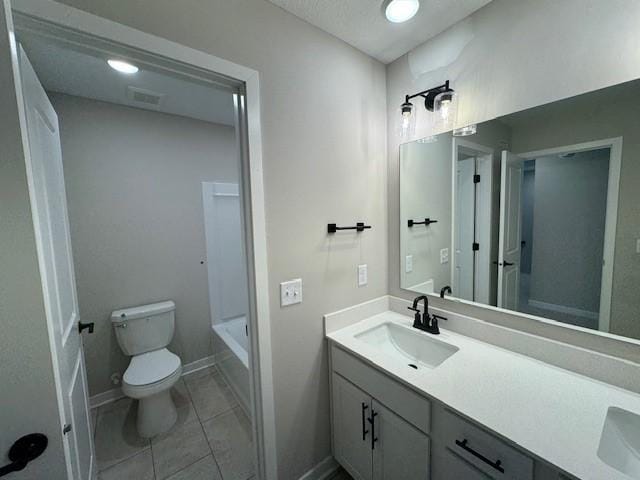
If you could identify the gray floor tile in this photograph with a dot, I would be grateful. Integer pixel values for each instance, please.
(184, 406)
(210, 393)
(178, 448)
(229, 435)
(139, 467)
(205, 469)
(116, 437)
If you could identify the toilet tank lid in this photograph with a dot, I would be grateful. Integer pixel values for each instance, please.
(142, 311)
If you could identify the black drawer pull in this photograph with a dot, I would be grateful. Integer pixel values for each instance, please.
(364, 428)
(464, 445)
(372, 421)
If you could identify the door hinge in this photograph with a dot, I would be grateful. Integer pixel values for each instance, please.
(476, 178)
(475, 246)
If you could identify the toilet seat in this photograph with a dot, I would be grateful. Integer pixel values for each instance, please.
(150, 373)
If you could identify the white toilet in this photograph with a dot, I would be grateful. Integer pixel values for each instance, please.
(143, 333)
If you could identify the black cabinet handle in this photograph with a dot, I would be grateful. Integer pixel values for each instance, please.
(364, 428)
(82, 326)
(372, 421)
(464, 444)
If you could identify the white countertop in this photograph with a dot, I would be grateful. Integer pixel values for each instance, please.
(553, 413)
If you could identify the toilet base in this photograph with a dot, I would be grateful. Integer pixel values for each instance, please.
(156, 414)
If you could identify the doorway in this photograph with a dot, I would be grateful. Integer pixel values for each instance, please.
(85, 31)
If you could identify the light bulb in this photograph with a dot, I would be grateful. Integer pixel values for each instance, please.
(398, 11)
(444, 108)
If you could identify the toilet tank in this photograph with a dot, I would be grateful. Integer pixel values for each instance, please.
(145, 328)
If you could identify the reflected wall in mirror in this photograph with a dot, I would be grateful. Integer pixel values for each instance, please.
(538, 212)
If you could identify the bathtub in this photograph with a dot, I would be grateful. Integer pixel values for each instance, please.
(231, 352)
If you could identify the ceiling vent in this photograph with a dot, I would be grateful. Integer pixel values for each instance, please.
(144, 97)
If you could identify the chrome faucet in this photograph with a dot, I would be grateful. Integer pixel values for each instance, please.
(422, 320)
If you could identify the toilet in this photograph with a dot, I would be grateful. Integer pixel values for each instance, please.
(143, 334)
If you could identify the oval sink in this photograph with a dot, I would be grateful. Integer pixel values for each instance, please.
(418, 349)
(620, 441)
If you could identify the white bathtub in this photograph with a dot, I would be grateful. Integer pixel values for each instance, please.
(231, 347)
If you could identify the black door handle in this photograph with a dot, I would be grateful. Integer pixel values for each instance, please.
(23, 451)
(507, 264)
(82, 326)
(364, 428)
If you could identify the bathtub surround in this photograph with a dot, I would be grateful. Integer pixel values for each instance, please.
(513, 76)
(133, 185)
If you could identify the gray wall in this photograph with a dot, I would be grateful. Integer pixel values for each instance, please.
(324, 143)
(133, 181)
(28, 402)
(600, 115)
(497, 72)
(569, 211)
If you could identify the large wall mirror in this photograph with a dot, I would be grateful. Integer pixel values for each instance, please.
(537, 212)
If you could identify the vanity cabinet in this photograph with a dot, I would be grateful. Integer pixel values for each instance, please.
(371, 441)
(384, 430)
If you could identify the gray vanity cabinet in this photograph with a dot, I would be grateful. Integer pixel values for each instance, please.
(371, 441)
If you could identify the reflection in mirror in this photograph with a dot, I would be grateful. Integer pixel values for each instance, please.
(536, 212)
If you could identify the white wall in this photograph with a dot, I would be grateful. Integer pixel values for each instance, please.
(569, 211)
(425, 175)
(133, 180)
(515, 55)
(324, 142)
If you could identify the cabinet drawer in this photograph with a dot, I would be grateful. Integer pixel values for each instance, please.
(481, 449)
(414, 408)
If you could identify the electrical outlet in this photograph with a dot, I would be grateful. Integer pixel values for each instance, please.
(408, 264)
(362, 275)
(444, 255)
(638, 245)
(291, 292)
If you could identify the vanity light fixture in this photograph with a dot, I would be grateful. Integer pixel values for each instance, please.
(122, 66)
(398, 11)
(437, 99)
(465, 131)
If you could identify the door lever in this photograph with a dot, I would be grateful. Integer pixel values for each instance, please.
(24, 450)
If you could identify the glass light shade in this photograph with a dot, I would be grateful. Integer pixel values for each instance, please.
(398, 11)
(465, 131)
(445, 111)
(406, 122)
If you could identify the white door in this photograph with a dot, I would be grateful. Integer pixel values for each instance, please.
(510, 231)
(351, 428)
(464, 219)
(401, 450)
(48, 201)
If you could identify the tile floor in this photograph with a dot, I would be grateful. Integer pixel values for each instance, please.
(210, 441)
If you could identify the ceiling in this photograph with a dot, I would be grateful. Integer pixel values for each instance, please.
(362, 23)
(86, 74)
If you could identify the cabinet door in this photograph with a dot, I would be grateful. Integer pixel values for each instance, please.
(401, 451)
(351, 429)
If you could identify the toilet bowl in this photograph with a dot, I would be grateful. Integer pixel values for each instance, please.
(149, 379)
(143, 333)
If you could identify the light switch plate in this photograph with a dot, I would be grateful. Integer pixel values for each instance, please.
(362, 275)
(444, 255)
(291, 292)
(638, 245)
(408, 264)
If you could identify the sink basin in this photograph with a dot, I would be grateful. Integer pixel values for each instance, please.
(417, 349)
(620, 441)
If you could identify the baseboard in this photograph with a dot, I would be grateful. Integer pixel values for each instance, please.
(116, 393)
(198, 365)
(322, 470)
(562, 309)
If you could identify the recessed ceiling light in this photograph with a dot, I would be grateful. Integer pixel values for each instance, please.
(121, 66)
(398, 11)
